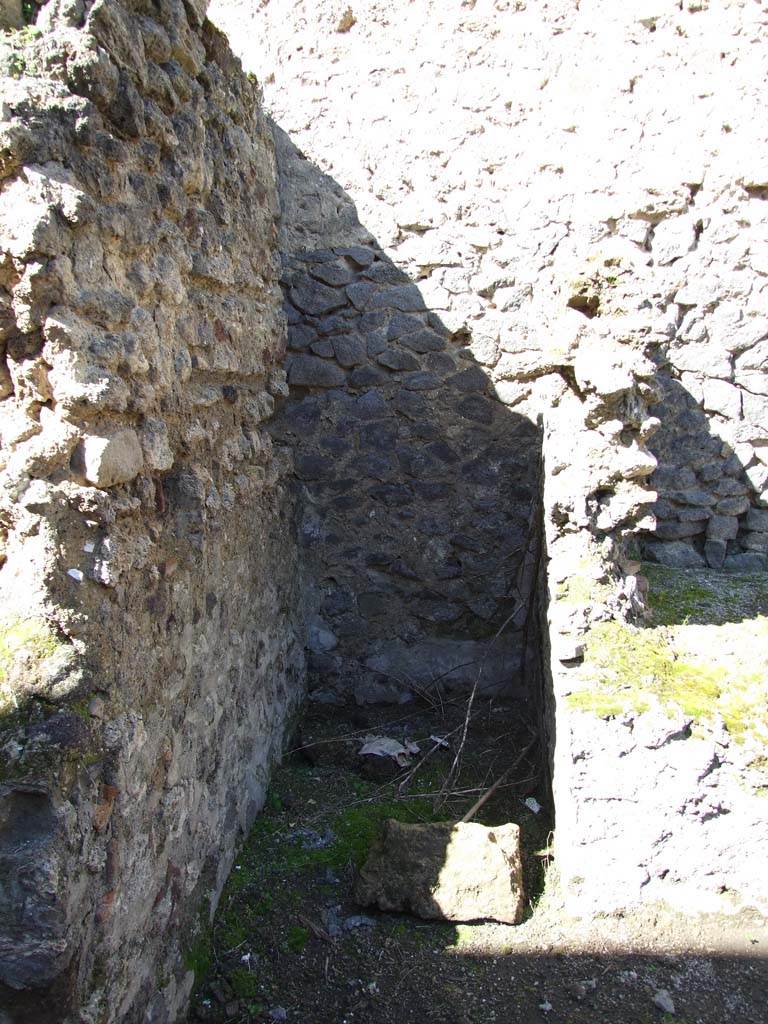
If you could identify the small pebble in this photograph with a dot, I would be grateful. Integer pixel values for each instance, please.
(663, 1000)
(358, 921)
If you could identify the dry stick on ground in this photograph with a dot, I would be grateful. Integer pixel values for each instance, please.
(454, 769)
(316, 929)
(469, 792)
(489, 792)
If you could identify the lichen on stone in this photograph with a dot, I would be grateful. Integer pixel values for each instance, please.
(629, 670)
(26, 644)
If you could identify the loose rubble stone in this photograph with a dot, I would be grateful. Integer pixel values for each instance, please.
(664, 1001)
(108, 460)
(464, 872)
(677, 555)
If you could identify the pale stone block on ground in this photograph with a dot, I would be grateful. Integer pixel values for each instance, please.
(463, 872)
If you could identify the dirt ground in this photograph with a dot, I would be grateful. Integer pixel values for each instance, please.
(289, 943)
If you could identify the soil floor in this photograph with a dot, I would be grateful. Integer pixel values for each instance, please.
(289, 943)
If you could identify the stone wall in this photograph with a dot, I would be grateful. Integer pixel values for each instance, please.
(500, 220)
(713, 450)
(151, 647)
(415, 482)
(516, 159)
(577, 191)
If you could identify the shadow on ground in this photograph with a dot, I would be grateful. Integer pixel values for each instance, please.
(289, 942)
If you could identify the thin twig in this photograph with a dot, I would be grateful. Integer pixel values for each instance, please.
(317, 931)
(484, 798)
(489, 792)
(453, 770)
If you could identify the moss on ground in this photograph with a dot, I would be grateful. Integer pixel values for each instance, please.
(263, 884)
(683, 596)
(706, 655)
(582, 589)
(634, 668)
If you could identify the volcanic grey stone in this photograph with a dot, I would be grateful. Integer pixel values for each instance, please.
(317, 256)
(410, 404)
(675, 554)
(715, 551)
(310, 371)
(677, 531)
(723, 528)
(692, 515)
(672, 478)
(456, 665)
(756, 541)
(464, 872)
(757, 519)
(733, 506)
(313, 467)
(300, 336)
(396, 359)
(333, 274)
(371, 406)
(384, 272)
(746, 561)
(349, 350)
(472, 379)
(423, 341)
(333, 323)
(375, 343)
(729, 486)
(314, 298)
(402, 324)
(435, 610)
(374, 466)
(406, 298)
(709, 471)
(358, 254)
(322, 347)
(367, 376)
(477, 408)
(361, 295)
(423, 380)
(693, 496)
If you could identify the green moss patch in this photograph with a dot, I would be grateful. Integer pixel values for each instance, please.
(633, 668)
(24, 645)
(702, 671)
(686, 596)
